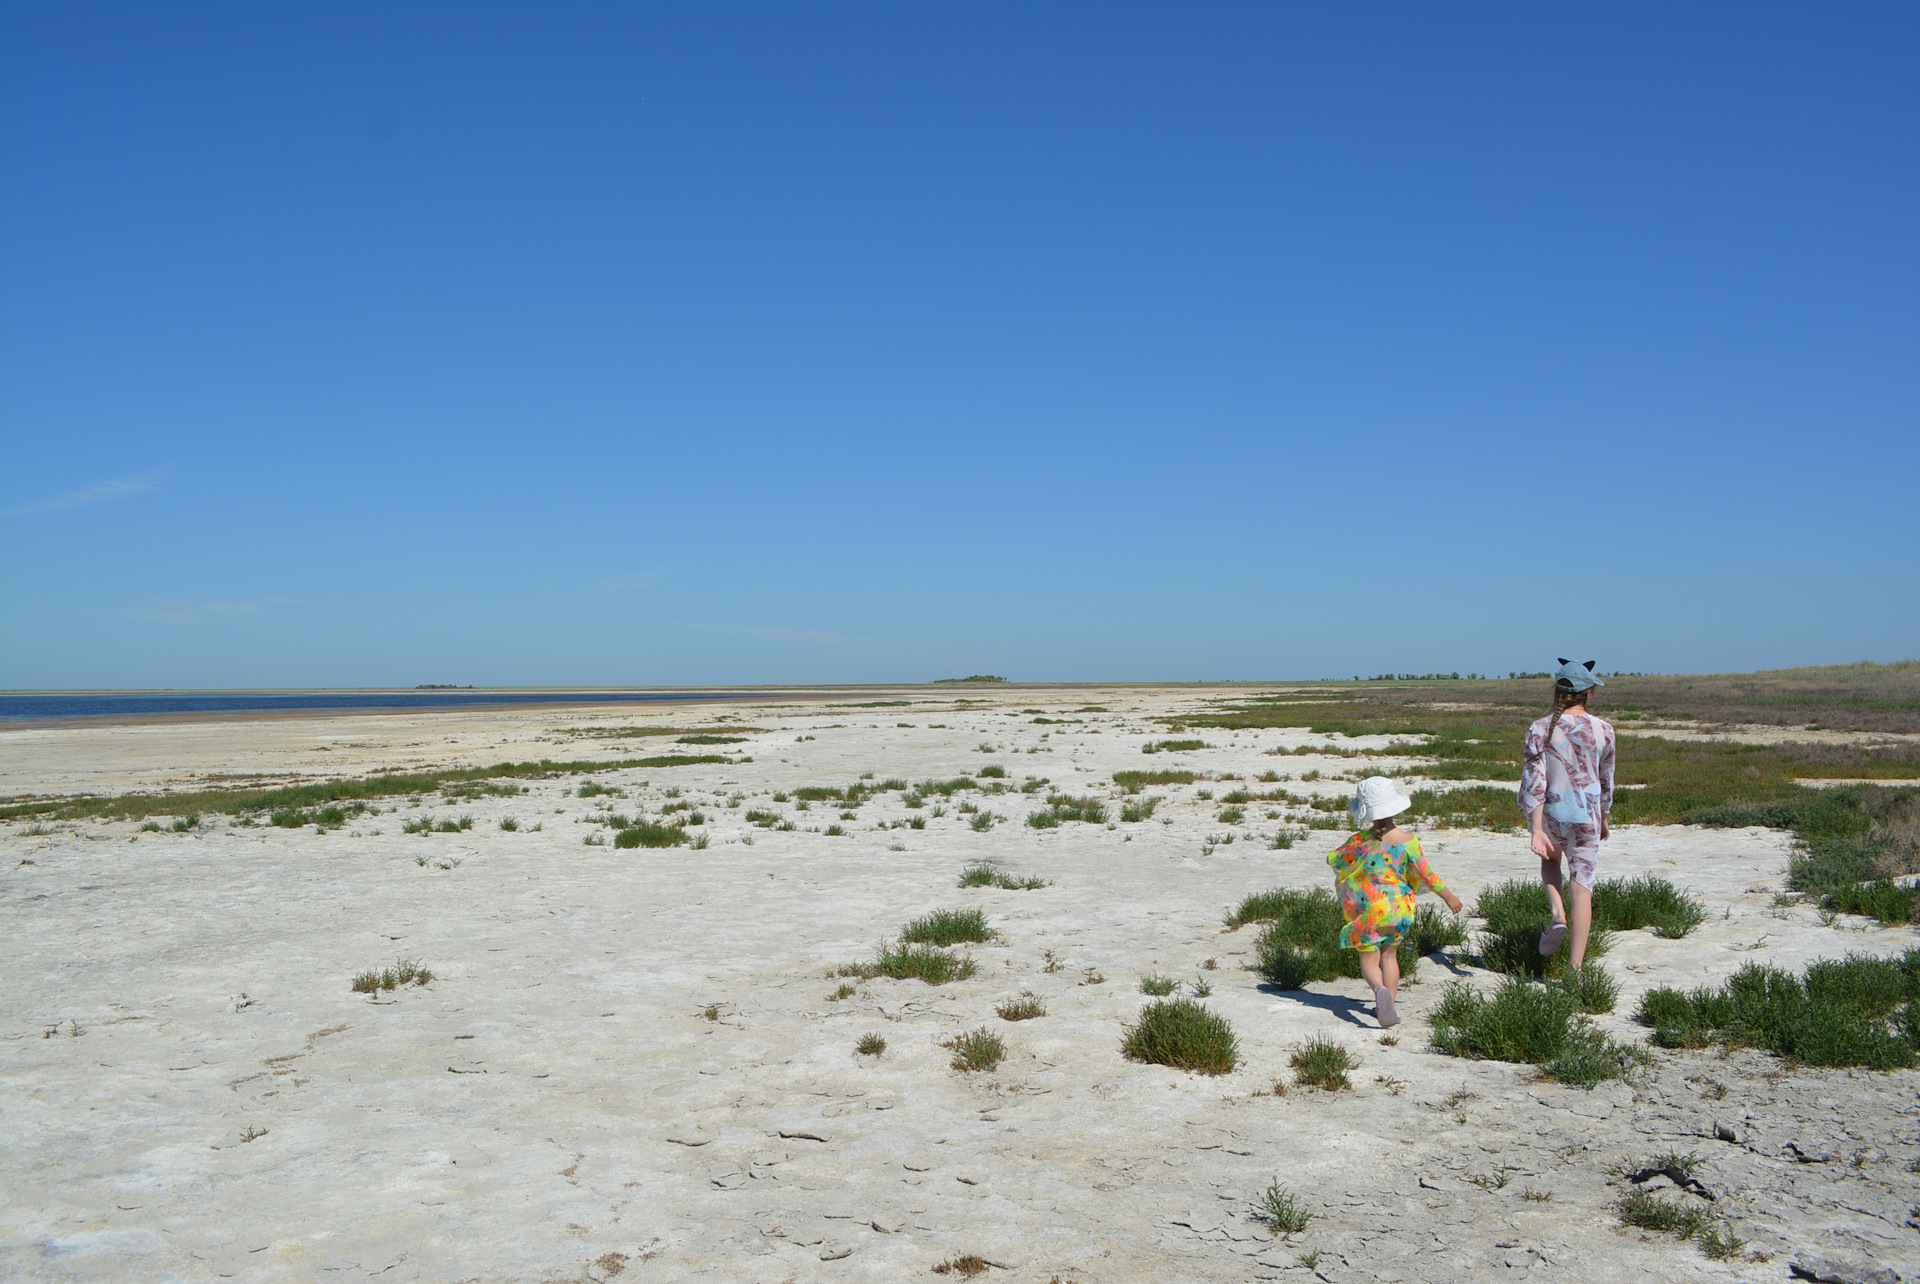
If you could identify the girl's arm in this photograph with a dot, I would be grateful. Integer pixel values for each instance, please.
(1606, 782)
(1423, 874)
(1533, 772)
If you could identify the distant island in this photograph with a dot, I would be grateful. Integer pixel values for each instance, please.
(442, 686)
(978, 677)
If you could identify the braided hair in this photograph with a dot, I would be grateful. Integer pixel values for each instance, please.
(1564, 698)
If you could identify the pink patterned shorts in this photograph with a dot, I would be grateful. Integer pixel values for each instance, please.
(1580, 843)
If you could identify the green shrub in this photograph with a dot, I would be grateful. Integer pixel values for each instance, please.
(1282, 1211)
(1856, 1011)
(1133, 813)
(1173, 746)
(1133, 781)
(980, 1049)
(981, 874)
(1183, 1034)
(1537, 1025)
(1155, 984)
(1591, 988)
(948, 927)
(1322, 1063)
(1628, 904)
(647, 834)
(928, 963)
(1024, 1008)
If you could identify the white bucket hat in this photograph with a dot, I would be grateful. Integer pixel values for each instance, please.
(1377, 798)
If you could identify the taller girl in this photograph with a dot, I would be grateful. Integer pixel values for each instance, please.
(1566, 791)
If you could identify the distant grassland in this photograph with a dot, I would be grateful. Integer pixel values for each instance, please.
(235, 801)
(1478, 730)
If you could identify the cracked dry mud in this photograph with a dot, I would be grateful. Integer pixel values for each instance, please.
(629, 1063)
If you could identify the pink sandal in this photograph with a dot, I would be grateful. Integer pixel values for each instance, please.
(1551, 938)
(1383, 1009)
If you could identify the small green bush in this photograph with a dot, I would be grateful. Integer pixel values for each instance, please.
(1537, 1025)
(982, 874)
(403, 972)
(1024, 1008)
(1628, 904)
(1173, 746)
(1133, 813)
(1322, 1063)
(1157, 985)
(928, 963)
(980, 1049)
(1591, 988)
(647, 834)
(1856, 1011)
(1281, 1210)
(1136, 780)
(948, 927)
(1183, 1034)
(870, 1045)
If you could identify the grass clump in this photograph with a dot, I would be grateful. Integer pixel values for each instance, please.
(928, 963)
(1281, 1209)
(1133, 813)
(645, 833)
(1628, 904)
(948, 927)
(1592, 989)
(1134, 781)
(1647, 1211)
(1855, 1011)
(970, 1264)
(403, 972)
(980, 1049)
(1024, 1008)
(870, 1045)
(1533, 1024)
(1062, 807)
(1183, 1034)
(981, 874)
(1322, 1063)
(1173, 746)
(1159, 986)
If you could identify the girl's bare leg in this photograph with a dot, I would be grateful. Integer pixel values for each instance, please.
(1582, 921)
(1550, 875)
(1390, 968)
(1370, 969)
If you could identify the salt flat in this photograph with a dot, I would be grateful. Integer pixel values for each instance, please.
(629, 1062)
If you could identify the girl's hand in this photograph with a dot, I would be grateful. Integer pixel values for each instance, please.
(1543, 846)
(1453, 902)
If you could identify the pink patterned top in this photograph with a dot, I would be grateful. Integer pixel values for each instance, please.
(1573, 777)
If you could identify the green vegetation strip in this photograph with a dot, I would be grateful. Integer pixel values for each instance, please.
(1856, 1011)
(234, 801)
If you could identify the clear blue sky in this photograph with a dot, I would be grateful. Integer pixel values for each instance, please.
(363, 344)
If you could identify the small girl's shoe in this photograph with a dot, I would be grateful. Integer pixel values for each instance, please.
(1551, 938)
(1383, 1008)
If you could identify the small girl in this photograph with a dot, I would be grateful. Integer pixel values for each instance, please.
(1377, 874)
(1566, 792)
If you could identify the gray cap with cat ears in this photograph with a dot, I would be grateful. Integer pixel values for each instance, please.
(1576, 677)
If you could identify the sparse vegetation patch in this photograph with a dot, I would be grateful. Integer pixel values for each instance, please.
(1183, 1034)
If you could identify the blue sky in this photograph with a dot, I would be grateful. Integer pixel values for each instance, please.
(368, 344)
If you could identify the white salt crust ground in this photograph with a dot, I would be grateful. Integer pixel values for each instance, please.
(556, 1104)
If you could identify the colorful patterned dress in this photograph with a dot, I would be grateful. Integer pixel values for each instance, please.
(1572, 778)
(1377, 883)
